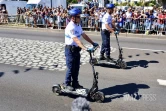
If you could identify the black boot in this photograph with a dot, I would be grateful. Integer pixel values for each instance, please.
(102, 57)
(108, 58)
(67, 87)
(77, 86)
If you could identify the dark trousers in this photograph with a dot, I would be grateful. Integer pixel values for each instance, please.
(73, 64)
(105, 48)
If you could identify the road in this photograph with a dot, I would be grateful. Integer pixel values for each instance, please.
(32, 61)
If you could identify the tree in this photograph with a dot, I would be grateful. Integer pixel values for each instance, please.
(71, 1)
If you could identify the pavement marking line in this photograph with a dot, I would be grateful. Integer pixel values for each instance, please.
(135, 37)
(161, 82)
(143, 49)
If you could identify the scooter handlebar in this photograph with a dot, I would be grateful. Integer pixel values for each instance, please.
(116, 31)
(93, 49)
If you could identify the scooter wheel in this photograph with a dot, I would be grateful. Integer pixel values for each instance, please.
(122, 64)
(56, 90)
(99, 97)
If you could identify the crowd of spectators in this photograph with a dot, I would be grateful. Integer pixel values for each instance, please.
(131, 20)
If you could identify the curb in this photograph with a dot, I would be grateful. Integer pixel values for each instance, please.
(87, 32)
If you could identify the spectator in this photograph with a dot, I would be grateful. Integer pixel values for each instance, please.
(129, 16)
(59, 18)
(26, 17)
(161, 18)
(18, 15)
(4, 15)
(132, 20)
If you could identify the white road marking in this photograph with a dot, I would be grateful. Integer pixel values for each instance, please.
(143, 49)
(135, 37)
(161, 82)
(113, 49)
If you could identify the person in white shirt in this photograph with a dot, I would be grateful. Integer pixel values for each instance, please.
(73, 33)
(107, 28)
(129, 19)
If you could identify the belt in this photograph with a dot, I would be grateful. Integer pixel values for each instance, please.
(73, 48)
(106, 31)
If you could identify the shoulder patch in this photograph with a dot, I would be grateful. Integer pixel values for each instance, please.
(72, 31)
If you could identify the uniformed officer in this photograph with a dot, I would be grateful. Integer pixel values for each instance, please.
(73, 33)
(107, 27)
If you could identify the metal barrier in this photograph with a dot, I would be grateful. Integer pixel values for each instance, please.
(146, 26)
(141, 26)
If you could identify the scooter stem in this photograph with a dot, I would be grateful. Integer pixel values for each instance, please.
(93, 69)
(120, 49)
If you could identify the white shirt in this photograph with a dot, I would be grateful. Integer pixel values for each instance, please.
(58, 18)
(107, 19)
(128, 16)
(72, 30)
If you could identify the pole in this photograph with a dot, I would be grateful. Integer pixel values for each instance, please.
(51, 3)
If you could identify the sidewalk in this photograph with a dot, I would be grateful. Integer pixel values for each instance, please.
(23, 27)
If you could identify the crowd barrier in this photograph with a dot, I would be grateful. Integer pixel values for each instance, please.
(143, 25)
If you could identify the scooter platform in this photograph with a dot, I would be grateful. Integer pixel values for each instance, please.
(79, 92)
(112, 61)
(116, 62)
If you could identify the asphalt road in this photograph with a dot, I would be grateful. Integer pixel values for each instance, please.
(25, 87)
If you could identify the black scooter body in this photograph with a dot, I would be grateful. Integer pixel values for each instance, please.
(92, 94)
(118, 62)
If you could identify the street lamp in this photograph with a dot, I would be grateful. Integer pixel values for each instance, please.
(51, 3)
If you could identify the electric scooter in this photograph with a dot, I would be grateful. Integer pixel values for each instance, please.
(92, 94)
(118, 62)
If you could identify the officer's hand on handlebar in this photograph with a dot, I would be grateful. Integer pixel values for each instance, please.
(116, 32)
(91, 49)
(95, 44)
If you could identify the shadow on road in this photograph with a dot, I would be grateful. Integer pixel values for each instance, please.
(129, 90)
(130, 64)
(1, 74)
(108, 65)
(159, 52)
(140, 63)
(17, 71)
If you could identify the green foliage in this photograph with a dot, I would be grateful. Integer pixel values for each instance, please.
(132, 4)
(116, 4)
(124, 4)
(151, 4)
(141, 3)
(71, 1)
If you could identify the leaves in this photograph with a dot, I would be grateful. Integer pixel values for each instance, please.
(71, 1)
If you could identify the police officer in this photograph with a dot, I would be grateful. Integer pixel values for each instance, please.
(107, 27)
(73, 33)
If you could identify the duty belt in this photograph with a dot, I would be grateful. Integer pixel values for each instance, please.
(73, 48)
(104, 30)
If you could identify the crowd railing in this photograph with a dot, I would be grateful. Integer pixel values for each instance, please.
(137, 26)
